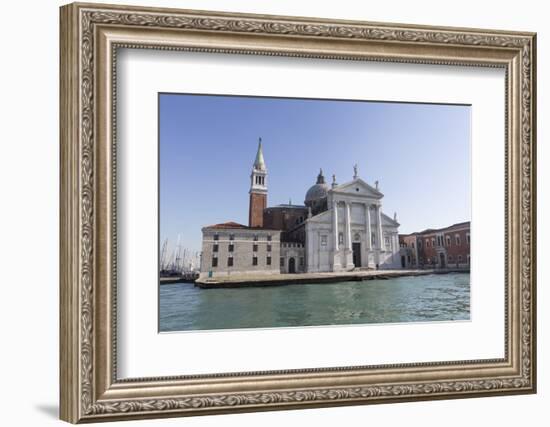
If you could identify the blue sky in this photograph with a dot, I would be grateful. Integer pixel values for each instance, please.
(420, 154)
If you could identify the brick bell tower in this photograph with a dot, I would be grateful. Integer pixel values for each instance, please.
(258, 190)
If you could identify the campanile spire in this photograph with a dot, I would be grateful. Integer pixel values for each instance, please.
(259, 163)
(258, 189)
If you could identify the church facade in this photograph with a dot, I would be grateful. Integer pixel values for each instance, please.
(340, 227)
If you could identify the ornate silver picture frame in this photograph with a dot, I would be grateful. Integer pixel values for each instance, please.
(91, 36)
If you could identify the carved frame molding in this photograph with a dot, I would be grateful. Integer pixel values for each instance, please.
(90, 37)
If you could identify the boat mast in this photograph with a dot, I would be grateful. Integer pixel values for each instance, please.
(177, 260)
(163, 255)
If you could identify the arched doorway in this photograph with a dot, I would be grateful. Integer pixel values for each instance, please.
(442, 260)
(292, 265)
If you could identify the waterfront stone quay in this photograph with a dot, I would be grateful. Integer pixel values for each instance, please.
(248, 280)
(173, 279)
(185, 277)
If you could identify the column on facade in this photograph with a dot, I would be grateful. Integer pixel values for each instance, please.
(335, 224)
(367, 227)
(380, 237)
(348, 226)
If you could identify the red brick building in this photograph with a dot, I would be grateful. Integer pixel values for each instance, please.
(437, 248)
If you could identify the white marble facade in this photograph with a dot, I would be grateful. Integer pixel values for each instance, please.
(353, 232)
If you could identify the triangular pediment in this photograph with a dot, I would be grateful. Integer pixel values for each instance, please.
(359, 188)
(321, 217)
(386, 220)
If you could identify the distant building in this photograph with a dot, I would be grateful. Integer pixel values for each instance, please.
(340, 227)
(447, 247)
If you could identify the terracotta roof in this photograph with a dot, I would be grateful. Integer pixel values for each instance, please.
(236, 225)
(436, 230)
(287, 206)
(229, 224)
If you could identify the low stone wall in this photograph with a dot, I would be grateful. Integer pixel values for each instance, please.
(293, 279)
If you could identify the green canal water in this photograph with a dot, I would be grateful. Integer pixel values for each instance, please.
(434, 297)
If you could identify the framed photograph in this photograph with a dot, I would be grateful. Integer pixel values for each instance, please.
(266, 212)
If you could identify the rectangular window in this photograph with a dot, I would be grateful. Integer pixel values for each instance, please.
(215, 248)
(214, 262)
(231, 237)
(254, 260)
(460, 258)
(268, 260)
(433, 242)
(255, 237)
(323, 240)
(216, 237)
(457, 239)
(282, 262)
(301, 261)
(427, 243)
(373, 239)
(468, 239)
(448, 240)
(231, 247)
(230, 261)
(269, 238)
(255, 248)
(269, 248)
(412, 245)
(340, 238)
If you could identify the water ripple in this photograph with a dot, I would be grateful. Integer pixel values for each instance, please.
(434, 297)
